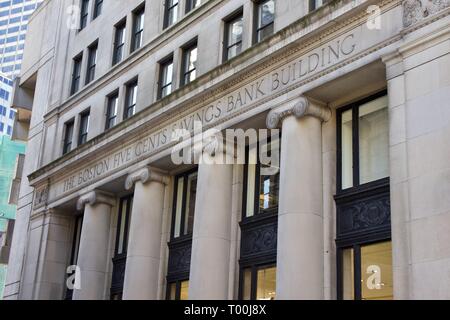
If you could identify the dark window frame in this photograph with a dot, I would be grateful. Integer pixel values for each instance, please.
(237, 15)
(162, 65)
(177, 283)
(84, 14)
(258, 29)
(83, 135)
(355, 193)
(109, 117)
(186, 50)
(190, 5)
(313, 6)
(255, 267)
(167, 9)
(75, 249)
(77, 65)
(119, 47)
(129, 88)
(185, 176)
(137, 31)
(68, 141)
(98, 8)
(91, 62)
(355, 145)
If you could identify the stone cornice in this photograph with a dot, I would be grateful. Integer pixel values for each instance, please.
(145, 175)
(95, 197)
(299, 107)
(298, 42)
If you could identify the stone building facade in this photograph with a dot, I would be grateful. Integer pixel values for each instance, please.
(357, 208)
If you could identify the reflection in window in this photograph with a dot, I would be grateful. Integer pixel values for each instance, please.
(165, 78)
(265, 19)
(189, 64)
(234, 29)
(259, 283)
(178, 290)
(186, 192)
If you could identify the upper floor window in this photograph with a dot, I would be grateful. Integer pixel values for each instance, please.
(84, 11)
(233, 37)
(192, 4)
(92, 62)
(84, 128)
(363, 142)
(68, 136)
(98, 6)
(189, 63)
(119, 42)
(76, 74)
(138, 29)
(262, 182)
(265, 15)
(111, 110)
(314, 4)
(130, 99)
(165, 77)
(170, 12)
(184, 204)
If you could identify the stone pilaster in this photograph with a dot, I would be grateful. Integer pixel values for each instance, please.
(94, 241)
(300, 259)
(144, 243)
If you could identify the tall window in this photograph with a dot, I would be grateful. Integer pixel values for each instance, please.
(189, 64)
(192, 4)
(262, 183)
(259, 283)
(363, 236)
(120, 252)
(364, 142)
(265, 15)
(119, 42)
(138, 29)
(68, 136)
(98, 6)
(84, 128)
(130, 99)
(76, 74)
(84, 11)
(165, 77)
(75, 248)
(260, 210)
(111, 110)
(171, 12)
(178, 290)
(233, 37)
(92, 62)
(184, 204)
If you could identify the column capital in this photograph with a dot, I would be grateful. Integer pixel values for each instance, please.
(145, 175)
(95, 197)
(299, 107)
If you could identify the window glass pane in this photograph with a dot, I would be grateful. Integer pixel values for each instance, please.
(190, 203)
(347, 149)
(266, 284)
(235, 31)
(376, 271)
(251, 179)
(269, 184)
(172, 291)
(179, 208)
(374, 140)
(348, 274)
(122, 221)
(247, 285)
(184, 290)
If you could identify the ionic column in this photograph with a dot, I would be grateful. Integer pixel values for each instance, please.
(209, 272)
(93, 254)
(144, 243)
(300, 258)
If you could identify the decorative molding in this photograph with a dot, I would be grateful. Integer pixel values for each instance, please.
(179, 258)
(118, 274)
(95, 197)
(41, 197)
(298, 108)
(259, 240)
(145, 175)
(417, 10)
